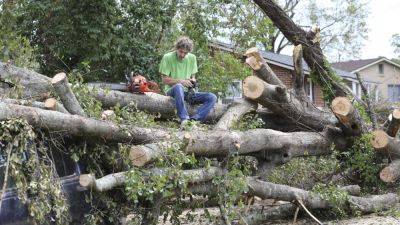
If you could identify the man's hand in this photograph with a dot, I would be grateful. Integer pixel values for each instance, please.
(186, 83)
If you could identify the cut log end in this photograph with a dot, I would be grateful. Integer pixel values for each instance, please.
(59, 77)
(396, 114)
(253, 63)
(379, 140)
(387, 175)
(138, 156)
(342, 106)
(87, 180)
(50, 103)
(252, 87)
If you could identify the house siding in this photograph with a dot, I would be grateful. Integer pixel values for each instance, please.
(391, 75)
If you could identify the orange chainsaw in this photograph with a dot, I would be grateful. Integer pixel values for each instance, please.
(139, 84)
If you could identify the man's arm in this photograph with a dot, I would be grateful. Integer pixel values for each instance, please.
(171, 81)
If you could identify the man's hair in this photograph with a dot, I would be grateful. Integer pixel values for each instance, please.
(184, 43)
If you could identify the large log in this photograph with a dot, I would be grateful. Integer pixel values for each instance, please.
(348, 116)
(81, 127)
(274, 146)
(61, 86)
(34, 85)
(391, 173)
(235, 111)
(261, 68)
(151, 102)
(369, 204)
(385, 144)
(118, 179)
(38, 85)
(46, 105)
(281, 102)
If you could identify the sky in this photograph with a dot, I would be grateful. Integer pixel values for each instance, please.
(383, 22)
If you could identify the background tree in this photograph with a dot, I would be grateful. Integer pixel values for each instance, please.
(396, 45)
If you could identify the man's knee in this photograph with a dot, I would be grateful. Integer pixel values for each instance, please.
(211, 97)
(178, 87)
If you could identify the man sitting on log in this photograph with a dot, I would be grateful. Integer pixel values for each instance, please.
(178, 69)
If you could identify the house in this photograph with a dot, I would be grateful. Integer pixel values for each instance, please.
(384, 73)
(283, 67)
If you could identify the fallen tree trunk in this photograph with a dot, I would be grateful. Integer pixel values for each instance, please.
(391, 173)
(152, 103)
(348, 116)
(61, 86)
(385, 144)
(279, 101)
(261, 68)
(235, 111)
(369, 204)
(312, 51)
(118, 179)
(81, 127)
(34, 85)
(274, 146)
(38, 85)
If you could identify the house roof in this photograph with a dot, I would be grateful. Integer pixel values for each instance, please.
(354, 66)
(284, 61)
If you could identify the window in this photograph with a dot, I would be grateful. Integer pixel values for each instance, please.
(394, 92)
(234, 90)
(380, 68)
(309, 89)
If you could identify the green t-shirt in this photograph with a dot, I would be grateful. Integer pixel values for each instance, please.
(178, 69)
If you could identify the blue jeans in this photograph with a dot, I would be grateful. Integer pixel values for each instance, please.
(205, 98)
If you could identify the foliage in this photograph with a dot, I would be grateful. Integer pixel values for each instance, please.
(84, 94)
(396, 43)
(305, 172)
(337, 198)
(326, 85)
(14, 48)
(362, 163)
(343, 25)
(249, 121)
(33, 173)
(219, 71)
(111, 37)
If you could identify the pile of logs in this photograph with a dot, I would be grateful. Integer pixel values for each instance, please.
(282, 109)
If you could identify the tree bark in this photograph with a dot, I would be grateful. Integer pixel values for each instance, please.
(152, 103)
(391, 173)
(280, 102)
(348, 116)
(394, 123)
(312, 51)
(298, 84)
(52, 104)
(38, 85)
(82, 127)
(385, 144)
(369, 204)
(272, 145)
(118, 179)
(61, 86)
(234, 113)
(34, 85)
(261, 68)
